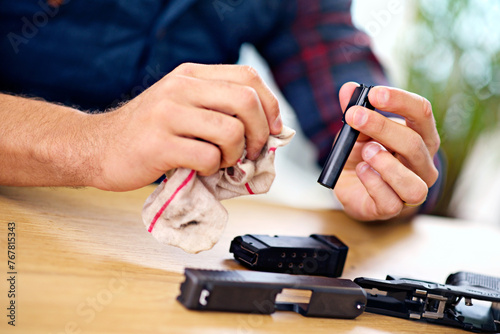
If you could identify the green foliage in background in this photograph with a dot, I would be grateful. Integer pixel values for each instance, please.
(453, 59)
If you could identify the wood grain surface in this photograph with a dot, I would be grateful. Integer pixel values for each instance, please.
(85, 263)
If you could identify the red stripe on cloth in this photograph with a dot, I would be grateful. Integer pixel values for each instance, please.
(162, 209)
(272, 149)
(249, 189)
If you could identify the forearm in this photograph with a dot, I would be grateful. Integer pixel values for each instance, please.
(44, 144)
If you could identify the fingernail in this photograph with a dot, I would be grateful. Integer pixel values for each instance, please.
(383, 96)
(363, 167)
(359, 118)
(370, 151)
(278, 124)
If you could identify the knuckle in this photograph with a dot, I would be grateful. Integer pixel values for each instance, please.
(434, 175)
(418, 194)
(417, 147)
(250, 74)
(261, 139)
(377, 123)
(234, 131)
(214, 119)
(434, 145)
(274, 107)
(249, 98)
(232, 160)
(390, 209)
(175, 81)
(210, 161)
(426, 108)
(437, 143)
(184, 68)
(252, 78)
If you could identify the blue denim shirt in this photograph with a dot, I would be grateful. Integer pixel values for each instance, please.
(93, 54)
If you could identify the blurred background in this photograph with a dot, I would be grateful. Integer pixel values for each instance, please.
(447, 51)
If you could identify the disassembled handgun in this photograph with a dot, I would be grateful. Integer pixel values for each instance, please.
(467, 300)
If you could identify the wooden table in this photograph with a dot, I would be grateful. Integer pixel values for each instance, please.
(85, 263)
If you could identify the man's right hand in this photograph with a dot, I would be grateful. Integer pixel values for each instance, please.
(198, 117)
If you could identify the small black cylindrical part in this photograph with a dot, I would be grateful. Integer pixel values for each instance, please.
(338, 156)
(345, 142)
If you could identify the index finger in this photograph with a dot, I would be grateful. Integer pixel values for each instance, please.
(416, 110)
(345, 93)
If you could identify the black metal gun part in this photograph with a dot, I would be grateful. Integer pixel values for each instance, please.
(322, 255)
(345, 141)
(470, 307)
(256, 292)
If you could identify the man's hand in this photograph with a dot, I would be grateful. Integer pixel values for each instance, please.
(391, 166)
(198, 117)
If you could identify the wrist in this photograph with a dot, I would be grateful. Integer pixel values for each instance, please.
(71, 148)
(106, 147)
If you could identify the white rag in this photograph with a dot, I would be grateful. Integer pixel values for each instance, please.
(185, 209)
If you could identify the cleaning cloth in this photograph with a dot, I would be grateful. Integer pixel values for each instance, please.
(185, 209)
